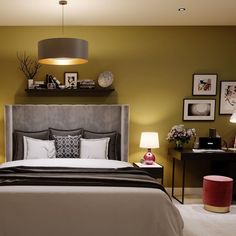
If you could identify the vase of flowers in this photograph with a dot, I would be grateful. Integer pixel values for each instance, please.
(179, 135)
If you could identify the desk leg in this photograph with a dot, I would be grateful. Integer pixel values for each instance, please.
(183, 181)
(173, 177)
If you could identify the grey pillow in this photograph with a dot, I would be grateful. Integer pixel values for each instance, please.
(114, 143)
(67, 146)
(60, 132)
(18, 144)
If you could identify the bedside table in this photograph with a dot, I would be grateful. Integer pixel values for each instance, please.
(155, 170)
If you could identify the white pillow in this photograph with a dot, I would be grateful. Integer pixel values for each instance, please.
(94, 148)
(38, 149)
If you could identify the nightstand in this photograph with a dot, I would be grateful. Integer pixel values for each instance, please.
(155, 170)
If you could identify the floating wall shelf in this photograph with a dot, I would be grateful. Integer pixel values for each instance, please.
(95, 92)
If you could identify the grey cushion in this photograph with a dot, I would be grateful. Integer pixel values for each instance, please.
(114, 143)
(67, 146)
(18, 144)
(60, 132)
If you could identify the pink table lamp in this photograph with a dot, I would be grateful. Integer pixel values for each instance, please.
(149, 140)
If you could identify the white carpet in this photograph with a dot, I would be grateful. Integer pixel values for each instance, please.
(199, 222)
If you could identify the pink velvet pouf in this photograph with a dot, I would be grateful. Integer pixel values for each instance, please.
(217, 193)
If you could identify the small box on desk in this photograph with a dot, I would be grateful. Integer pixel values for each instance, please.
(209, 143)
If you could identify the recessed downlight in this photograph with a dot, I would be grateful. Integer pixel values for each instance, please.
(182, 9)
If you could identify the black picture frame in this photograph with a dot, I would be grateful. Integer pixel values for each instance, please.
(227, 101)
(204, 84)
(71, 79)
(199, 109)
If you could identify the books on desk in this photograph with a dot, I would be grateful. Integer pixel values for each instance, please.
(207, 150)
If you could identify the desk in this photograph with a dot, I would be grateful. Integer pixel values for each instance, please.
(187, 154)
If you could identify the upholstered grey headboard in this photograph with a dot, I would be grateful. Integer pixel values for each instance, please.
(97, 118)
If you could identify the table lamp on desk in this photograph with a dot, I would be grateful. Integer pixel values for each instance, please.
(233, 117)
(149, 140)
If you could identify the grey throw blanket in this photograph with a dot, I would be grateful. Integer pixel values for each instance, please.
(63, 176)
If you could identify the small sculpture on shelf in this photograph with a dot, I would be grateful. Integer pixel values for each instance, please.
(52, 82)
(105, 79)
(29, 67)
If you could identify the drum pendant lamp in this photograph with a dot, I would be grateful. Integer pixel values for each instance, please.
(62, 51)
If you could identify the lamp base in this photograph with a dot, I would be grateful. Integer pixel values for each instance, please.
(149, 158)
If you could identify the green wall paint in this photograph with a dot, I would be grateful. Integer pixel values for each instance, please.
(153, 69)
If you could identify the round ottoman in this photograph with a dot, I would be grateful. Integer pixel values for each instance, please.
(217, 193)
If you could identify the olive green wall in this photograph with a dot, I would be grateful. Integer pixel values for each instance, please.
(153, 69)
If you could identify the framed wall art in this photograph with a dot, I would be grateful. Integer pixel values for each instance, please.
(199, 109)
(204, 84)
(227, 97)
(71, 79)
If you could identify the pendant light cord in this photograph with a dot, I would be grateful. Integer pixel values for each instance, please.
(62, 3)
(62, 20)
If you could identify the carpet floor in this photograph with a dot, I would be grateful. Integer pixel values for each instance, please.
(199, 222)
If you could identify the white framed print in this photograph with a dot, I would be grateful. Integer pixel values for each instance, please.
(204, 84)
(199, 109)
(227, 97)
(71, 79)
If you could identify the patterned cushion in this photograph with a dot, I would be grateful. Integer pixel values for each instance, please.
(67, 146)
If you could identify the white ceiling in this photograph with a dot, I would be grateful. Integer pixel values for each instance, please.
(118, 12)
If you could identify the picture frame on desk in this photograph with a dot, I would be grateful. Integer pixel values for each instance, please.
(227, 97)
(199, 109)
(204, 84)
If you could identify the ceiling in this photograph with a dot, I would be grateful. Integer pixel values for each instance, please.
(118, 12)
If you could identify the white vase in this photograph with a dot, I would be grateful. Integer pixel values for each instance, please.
(30, 83)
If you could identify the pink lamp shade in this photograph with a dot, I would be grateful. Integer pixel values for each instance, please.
(149, 140)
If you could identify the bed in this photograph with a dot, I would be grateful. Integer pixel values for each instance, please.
(107, 196)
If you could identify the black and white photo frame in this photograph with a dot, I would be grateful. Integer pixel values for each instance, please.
(199, 109)
(71, 79)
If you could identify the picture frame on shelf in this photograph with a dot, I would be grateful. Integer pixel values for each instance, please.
(204, 84)
(71, 79)
(199, 109)
(227, 97)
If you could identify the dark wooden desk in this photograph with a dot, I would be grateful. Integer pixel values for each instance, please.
(187, 154)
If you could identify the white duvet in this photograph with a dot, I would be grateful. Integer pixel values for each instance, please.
(85, 211)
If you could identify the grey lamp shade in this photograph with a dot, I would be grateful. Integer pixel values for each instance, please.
(63, 51)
